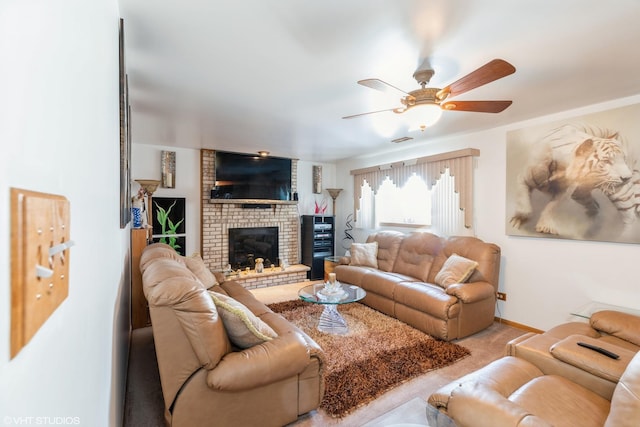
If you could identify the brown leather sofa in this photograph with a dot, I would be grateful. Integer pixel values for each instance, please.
(548, 379)
(206, 380)
(403, 285)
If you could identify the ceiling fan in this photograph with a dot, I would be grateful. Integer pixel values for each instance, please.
(427, 103)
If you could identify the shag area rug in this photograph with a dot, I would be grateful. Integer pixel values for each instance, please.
(377, 354)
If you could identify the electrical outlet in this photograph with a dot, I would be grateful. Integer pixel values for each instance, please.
(501, 296)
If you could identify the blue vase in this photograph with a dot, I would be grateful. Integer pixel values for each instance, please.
(137, 217)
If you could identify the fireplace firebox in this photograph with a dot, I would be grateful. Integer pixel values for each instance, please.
(247, 244)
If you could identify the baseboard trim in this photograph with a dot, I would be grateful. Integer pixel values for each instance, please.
(517, 325)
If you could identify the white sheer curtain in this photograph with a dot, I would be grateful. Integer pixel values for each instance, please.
(452, 204)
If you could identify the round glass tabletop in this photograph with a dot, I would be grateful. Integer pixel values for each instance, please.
(320, 293)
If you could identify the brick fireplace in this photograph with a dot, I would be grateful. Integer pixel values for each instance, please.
(220, 216)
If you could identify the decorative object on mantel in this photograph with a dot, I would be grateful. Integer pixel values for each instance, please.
(259, 265)
(168, 168)
(317, 179)
(334, 193)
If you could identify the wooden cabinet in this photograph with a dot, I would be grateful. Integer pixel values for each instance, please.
(139, 307)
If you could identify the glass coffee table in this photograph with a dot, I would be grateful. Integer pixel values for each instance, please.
(331, 322)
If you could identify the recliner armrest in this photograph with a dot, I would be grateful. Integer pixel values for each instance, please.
(266, 363)
(481, 406)
(568, 351)
(505, 375)
(471, 292)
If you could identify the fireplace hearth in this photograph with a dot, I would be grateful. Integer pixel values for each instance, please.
(247, 244)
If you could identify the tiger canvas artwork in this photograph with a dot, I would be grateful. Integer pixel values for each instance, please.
(576, 179)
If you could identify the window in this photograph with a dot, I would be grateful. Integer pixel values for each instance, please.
(406, 205)
(435, 191)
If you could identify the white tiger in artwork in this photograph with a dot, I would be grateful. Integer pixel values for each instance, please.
(575, 161)
(626, 198)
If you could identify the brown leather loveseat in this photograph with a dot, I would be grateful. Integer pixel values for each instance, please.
(410, 278)
(207, 378)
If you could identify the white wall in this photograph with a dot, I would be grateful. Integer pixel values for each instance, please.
(145, 164)
(60, 134)
(307, 198)
(544, 278)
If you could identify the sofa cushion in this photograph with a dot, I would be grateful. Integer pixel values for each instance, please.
(416, 254)
(456, 269)
(621, 325)
(552, 397)
(352, 274)
(160, 269)
(196, 264)
(388, 246)
(243, 327)
(428, 298)
(381, 283)
(364, 254)
(158, 250)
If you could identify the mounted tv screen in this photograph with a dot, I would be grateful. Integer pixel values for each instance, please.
(247, 176)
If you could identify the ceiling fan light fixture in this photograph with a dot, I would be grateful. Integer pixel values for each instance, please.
(422, 116)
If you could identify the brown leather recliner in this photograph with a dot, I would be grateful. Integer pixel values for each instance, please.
(548, 379)
(512, 392)
(556, 351)
(207, 381)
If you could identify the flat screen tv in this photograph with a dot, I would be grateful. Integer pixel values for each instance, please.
(248, 176)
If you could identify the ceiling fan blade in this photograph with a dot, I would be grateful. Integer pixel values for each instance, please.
(489, 72)
(380, 85)
(370, 112)
(476, 106)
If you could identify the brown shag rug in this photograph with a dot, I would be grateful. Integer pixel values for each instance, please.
(377, 354)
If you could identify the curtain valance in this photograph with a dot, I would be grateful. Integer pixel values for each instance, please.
(429, 168)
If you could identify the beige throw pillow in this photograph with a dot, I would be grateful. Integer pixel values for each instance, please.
(364, 254)
(456, 269)
(243, 327)
(196, 264)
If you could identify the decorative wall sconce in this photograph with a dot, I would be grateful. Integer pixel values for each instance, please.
(317, 179)
(168, 167)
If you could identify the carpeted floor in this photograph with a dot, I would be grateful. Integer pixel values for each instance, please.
(377, 353)
(144, 406)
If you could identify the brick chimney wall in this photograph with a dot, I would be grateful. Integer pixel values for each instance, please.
(217, 218)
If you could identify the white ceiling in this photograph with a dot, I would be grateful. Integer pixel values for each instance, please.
(250, 75)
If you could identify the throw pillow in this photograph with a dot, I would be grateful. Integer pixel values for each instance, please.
(364, 254)
(456, 269)
(196, 264)
(243, 327)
